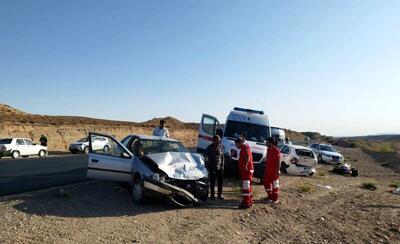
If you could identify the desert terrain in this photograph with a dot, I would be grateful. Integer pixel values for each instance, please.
(308, 212)
(63, 130)
(325, 208)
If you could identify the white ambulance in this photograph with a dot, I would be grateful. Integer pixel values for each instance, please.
(253, 124)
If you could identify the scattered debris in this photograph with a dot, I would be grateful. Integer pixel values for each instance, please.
(345, 169)
(326, 187)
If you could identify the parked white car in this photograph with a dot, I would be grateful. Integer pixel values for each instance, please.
(298, 160)
(327, 154)
(82, 145)
(16, 147)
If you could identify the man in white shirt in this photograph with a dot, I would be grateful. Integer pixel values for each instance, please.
(161, 130)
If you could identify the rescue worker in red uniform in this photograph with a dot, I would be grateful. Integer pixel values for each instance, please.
(271, 171)
(246, 169)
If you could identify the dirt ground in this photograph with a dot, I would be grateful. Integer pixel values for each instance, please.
(103, 212)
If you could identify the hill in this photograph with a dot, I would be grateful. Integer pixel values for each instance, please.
(62, 130)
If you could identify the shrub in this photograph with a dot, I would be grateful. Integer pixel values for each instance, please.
(369, 186)
(306, 188)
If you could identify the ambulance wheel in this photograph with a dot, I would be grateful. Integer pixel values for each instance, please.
(284, 167)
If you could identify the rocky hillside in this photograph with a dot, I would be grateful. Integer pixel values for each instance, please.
(62, 130)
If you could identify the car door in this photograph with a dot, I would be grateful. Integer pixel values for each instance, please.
(30, 147)
(209, 126)
(285, 154)
(21, 147)
(113, 164)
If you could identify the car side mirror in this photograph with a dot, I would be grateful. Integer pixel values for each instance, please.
(125, 155)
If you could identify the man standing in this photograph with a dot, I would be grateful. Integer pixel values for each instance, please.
(246, 169)
(43, 140)
(271, 171)
(215, 166)
(161, 130)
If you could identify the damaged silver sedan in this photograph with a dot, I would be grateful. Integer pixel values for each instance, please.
(153, 166)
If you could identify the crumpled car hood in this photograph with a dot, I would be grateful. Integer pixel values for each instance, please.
(180, 166)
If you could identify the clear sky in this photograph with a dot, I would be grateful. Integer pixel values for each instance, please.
(329, 66)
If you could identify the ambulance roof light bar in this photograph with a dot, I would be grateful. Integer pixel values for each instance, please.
(248, 110)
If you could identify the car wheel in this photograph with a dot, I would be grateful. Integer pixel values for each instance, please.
(86, 150)
(15, 154)
(283, 168)
(138, 191)
(42, 153)
(106, 149)
(320, 159)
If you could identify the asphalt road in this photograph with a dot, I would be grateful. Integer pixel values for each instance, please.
(26, 174)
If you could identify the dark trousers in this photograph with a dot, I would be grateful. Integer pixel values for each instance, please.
(216, 175)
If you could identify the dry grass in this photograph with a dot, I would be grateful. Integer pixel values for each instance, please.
(369, 185)
(306, 188)
(395, 184)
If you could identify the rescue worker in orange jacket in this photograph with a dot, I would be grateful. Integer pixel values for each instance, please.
(271, 171)
(246, 169)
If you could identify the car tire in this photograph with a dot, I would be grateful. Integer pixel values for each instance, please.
(320, 159)
(283, 167)
(42, 153)
(15, 154)
(137, 191)
(86, 150)
(106, 149)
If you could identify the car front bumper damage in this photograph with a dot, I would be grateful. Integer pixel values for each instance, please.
(174, 194)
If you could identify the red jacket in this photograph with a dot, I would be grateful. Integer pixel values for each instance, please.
(272, 163)
(245, 150)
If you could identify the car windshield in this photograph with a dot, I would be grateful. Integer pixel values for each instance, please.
(5, 141)
(160, 146)
(327, 148)
(83, 140)
(253, 132)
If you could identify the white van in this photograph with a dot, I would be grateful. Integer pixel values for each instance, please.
(279, 134)
(252, 123)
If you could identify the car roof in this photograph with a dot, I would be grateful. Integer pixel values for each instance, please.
(321, 144)
(156, 138)
(299, 147)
